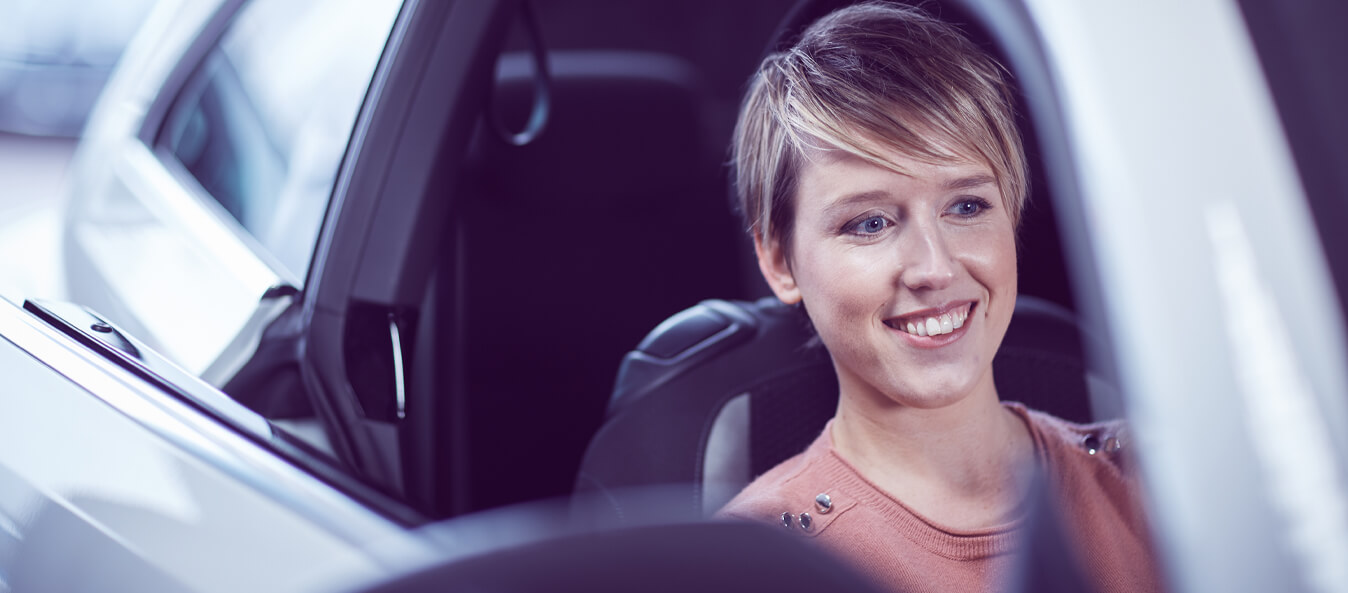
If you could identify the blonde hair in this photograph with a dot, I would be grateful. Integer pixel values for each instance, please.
(866, 78)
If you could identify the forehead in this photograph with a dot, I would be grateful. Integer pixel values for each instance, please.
(834, 172)
(902, 149)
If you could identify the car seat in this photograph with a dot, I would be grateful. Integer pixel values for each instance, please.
(723, 391)
(573, 246)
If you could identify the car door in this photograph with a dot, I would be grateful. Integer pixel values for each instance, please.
(120, 472)
(246, 161)
(362, 313)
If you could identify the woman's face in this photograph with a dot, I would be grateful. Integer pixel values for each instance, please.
(909, 280)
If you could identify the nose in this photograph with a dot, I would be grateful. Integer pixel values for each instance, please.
(926, 259)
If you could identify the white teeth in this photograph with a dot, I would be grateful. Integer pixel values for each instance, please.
(935, 326)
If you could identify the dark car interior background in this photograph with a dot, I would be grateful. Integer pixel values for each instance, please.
(519, 274)
(618, 217)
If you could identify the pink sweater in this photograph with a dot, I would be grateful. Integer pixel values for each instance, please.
(907, 552)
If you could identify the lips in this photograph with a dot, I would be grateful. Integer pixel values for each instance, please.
(933, 322)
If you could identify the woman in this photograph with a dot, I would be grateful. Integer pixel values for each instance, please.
(881, 171)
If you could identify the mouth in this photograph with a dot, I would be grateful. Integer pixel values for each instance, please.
(933, 322)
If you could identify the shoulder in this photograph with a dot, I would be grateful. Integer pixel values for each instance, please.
(1091, 464)
(779, 488)
(1100, 495)
(793, 494)
(1065, 442)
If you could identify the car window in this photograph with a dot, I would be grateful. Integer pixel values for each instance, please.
(264, 121)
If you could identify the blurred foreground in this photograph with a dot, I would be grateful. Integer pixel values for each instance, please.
(32, 176)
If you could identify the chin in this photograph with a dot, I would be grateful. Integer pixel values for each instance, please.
(933, 393)
(929, 400)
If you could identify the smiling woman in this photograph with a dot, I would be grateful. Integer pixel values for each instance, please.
(876, 251)
(883, 179)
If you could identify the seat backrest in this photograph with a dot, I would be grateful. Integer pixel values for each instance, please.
(723, 391)
(573, 246)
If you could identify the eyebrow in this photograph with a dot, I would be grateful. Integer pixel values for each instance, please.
(961, 183)
(969, 182)
(866, 196)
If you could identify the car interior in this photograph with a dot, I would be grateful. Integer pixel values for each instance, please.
(590, 318)
(603, 335)
(539, 289)
(617, 220)
(562, 305)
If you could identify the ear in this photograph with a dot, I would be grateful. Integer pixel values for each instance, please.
(772, 263)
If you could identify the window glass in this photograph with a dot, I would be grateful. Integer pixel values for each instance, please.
(265, 121)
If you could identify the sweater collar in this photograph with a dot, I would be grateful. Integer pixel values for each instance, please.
(850, 486)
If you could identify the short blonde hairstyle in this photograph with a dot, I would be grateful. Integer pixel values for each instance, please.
(866, 78)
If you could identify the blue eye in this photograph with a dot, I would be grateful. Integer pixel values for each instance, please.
(970, 207)
(868, 226)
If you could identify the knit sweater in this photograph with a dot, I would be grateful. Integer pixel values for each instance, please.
(907, 552)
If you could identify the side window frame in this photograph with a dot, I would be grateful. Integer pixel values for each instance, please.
(188, 77)
(185, 74)
(207, 39)
(180, 80)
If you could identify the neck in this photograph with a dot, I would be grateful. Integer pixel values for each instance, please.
(961, 465)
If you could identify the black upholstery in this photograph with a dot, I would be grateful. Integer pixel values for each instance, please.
(574, 246)
(681, 380)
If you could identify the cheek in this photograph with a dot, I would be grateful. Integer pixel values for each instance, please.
(997, 273)
(1002, 264)
(846, 276)
(842, 289)
(991, 259)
